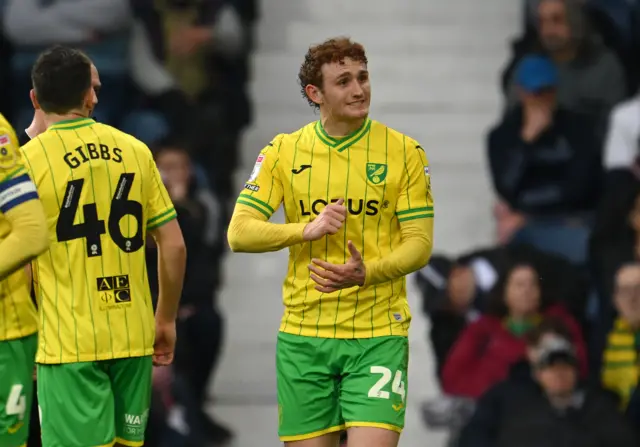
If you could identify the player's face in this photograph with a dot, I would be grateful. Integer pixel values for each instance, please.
(346, 89)
(95, 89)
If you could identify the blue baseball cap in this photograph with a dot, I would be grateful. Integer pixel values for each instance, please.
(535, 73)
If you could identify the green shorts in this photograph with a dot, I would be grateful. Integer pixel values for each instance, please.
(95, 403)
(326, 385)
(17, 358)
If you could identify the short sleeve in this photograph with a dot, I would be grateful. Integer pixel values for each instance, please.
(415, 200)
(263, 190)
(620, 149)
(160, 209)
(16, 186)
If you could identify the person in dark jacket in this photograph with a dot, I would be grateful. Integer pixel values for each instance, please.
(200, 325)
(545, 160)
(546, 164)
(543, 403)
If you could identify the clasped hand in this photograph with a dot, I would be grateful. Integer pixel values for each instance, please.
(327, 276)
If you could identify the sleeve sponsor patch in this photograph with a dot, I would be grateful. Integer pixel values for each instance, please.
(251, 187)
(256, 169)
(8, 154)
(16, 191)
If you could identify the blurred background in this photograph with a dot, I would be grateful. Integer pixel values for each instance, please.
(525, 321)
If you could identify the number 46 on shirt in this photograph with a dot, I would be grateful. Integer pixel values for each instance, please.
(93, 228)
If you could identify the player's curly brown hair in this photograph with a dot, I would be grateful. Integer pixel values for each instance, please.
(332, 50)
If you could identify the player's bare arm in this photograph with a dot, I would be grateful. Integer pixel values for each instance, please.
(172, 258)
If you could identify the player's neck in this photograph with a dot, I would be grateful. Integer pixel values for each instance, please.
(340, 128)
(51, 118)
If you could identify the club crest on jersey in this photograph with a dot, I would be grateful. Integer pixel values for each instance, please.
(256, 169)
(8, 155)
(376, 172)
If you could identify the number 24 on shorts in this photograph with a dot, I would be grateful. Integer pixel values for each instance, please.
(397, 386)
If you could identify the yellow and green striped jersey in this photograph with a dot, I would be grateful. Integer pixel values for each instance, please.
(17, 311)
(383, 176)
(101, 192)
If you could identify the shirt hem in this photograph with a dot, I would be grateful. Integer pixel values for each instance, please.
(94, 357)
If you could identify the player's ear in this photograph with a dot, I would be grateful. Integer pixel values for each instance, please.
(34, 100)
(314, 94)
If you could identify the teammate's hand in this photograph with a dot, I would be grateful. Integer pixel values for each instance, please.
(329, 221)
(165, 343)
(331, 277)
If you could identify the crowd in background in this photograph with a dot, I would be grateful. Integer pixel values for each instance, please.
(537, 338)
(174, 74)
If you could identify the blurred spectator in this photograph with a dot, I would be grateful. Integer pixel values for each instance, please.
(543, 402)
(546, 163)
(591, 78)
(488, 347)
(99, 27)
(456, 292)
(191, 59)
(200, 325)
(620, 362)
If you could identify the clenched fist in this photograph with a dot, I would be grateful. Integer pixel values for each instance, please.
(329, 221)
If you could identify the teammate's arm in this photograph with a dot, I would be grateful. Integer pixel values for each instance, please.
(163, 226)
(172, 258)
(249, 230)
(20, 206)
(414, 211)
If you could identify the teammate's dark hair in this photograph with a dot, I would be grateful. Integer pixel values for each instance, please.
(61, 77)
(329, 51)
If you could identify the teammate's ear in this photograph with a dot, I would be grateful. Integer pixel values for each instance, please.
(34, 100)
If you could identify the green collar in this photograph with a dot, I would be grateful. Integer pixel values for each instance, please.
(345, 142)
(71, 124)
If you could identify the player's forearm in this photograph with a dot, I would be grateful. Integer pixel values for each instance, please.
(249, 233)
(28, 237)
(172, 259)
(410, 256)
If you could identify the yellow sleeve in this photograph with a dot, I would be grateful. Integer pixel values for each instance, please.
(249, 230)
(415, 200)
(263, 191)
(414, 210)
(20, 206)
(160, 208)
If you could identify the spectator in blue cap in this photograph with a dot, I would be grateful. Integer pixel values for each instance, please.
(536, 73)
(545, 163)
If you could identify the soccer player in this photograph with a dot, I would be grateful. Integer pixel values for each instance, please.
(23, 236)
(359, 213)
(102, 193)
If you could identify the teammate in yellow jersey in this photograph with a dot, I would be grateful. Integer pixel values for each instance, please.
(23, 236)
(102, 193)
(359, 213)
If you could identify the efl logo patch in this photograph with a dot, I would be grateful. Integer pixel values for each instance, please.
(397, 317)
(8, 155)
(256, 168)
(426, 170)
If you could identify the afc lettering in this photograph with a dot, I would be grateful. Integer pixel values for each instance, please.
(114, 291)
(355, 207)
(90, 151)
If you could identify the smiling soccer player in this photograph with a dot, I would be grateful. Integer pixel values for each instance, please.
(359, 212)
